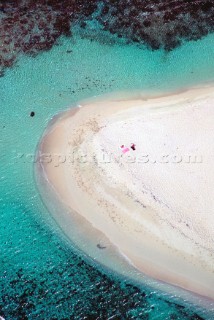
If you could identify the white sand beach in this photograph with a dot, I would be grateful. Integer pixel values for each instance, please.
(140, 171)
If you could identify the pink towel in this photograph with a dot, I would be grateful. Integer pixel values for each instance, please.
(124, 150)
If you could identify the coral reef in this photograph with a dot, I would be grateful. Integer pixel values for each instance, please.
(159, 24)
(28, 26)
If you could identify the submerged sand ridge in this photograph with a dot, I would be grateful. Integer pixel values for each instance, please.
(140, 172)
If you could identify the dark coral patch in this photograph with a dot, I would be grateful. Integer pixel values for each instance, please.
(28, 26)
(149, 22)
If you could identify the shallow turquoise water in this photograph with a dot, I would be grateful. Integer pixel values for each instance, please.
(42, 277)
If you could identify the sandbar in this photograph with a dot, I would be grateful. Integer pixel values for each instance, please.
(140, 172)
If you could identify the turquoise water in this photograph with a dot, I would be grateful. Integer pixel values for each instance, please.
(42, 276)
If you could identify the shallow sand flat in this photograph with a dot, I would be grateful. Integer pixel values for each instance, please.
(155, 203)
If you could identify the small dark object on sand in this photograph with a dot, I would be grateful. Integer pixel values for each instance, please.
(100, 246)
(133, 146)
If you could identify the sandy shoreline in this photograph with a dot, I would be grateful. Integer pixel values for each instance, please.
(155, 203)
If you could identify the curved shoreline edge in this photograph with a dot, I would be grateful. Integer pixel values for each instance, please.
(129, 218)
